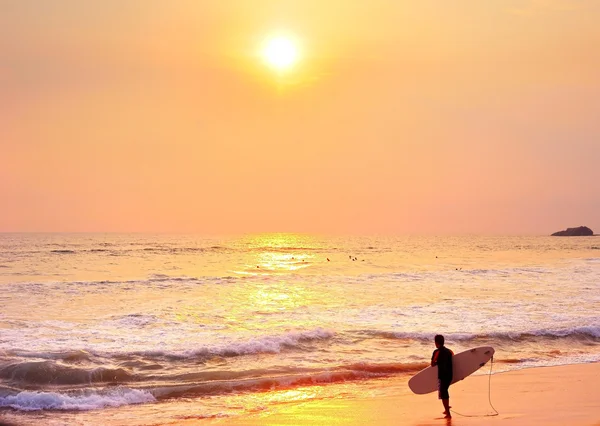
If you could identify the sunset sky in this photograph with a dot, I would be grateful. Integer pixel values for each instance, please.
(398, 116)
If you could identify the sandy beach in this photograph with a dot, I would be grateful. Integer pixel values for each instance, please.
(562, 395)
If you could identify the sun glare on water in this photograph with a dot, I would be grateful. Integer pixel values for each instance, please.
(280, 53)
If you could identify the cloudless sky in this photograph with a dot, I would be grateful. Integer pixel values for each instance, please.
(420, 117)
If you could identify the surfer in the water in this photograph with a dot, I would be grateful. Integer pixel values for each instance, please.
(442, 357)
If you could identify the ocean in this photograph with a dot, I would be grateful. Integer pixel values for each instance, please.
(128, 329)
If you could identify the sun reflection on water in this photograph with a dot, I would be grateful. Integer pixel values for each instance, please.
(278, 253)
(276, 298)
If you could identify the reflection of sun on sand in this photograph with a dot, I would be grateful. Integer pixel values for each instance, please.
(565, 395)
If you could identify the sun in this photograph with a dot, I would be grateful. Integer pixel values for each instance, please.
(280, 53)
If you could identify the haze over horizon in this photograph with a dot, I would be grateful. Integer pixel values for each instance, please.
(397, 117)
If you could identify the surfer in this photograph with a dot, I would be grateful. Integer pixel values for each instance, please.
(442, 357)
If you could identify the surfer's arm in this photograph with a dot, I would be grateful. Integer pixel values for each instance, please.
(434, 357)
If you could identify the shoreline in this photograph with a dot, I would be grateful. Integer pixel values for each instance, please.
(552, 396)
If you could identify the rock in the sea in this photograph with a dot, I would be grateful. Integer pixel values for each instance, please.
(581, 231)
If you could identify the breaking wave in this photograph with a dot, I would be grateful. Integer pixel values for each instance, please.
(264, 344)
(584, 333)
(74, 400)
(208, 383)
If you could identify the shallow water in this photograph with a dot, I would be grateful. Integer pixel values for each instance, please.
(131, 327)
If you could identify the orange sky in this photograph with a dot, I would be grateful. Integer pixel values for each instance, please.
(420, 117)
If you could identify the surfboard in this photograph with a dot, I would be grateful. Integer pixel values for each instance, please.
(463, 365)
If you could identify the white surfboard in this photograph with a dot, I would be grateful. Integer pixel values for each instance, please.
(463, 364)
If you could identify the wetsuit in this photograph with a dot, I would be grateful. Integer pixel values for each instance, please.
(442, 357)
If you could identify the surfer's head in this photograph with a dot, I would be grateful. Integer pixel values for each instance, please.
(439, 340)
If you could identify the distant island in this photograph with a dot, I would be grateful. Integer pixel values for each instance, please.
(581, 231)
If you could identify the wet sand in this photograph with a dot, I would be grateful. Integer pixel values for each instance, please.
(550, 396)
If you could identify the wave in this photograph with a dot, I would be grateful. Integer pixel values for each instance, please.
(75, 400)
(359, 369)
(511, 360)
(157, 279)
(115, 250)
(177, 249)
(505, 272)
(135, 320)
(184, 250)
(131, 369)
(456, 273)
(53, 373)
(296, 378)
(259, 384)
(388, 368)
(292, 341)
(584, 333)
(69, 356)
(260, 345)
(158, 249)
(90, 399)
(192, 385)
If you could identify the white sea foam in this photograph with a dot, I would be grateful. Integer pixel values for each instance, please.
(273, 344)
(34, 401)
(592, 332)
(264, 344)
(551, 362)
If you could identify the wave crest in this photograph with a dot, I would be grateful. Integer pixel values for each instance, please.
(585, 333)
(52, 373)
(352, 372)
(84, 400)
(265, 344)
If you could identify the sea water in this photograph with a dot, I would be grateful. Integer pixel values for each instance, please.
(154, 329)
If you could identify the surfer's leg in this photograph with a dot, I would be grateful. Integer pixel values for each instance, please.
(445, 396)
(446, 403)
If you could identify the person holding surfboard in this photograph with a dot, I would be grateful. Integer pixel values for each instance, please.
(442, 357)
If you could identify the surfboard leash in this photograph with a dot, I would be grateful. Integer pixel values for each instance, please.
(489, 396)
